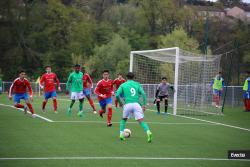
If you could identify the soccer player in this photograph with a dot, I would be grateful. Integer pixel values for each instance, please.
(76, 83)
(104, 90)
(117, 82)
(246, 96)
(47, 83)
(87, 86)
(132, 91)
(19, 88)
(162, 94)
(217, 84)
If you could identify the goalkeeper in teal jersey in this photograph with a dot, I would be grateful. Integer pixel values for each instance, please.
(132, 91)
(76, 81)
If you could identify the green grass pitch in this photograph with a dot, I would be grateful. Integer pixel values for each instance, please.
(87, 141)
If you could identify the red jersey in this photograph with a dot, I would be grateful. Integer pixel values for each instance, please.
(87, 79)
(117, 82)
(105, 88)
(20, 86)
(49, 80)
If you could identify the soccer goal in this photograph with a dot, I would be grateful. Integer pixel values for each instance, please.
(190, 74)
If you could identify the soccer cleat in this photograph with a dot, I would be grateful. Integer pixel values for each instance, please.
(80, 113)
(109, 124)
(43, 110)
(33, 115)
(158, 112)
(149, 134)
(69, 112)
(55, 112)
(165, 113)
(122, 138)
(25, 109)
(94, 112)
(101, 113)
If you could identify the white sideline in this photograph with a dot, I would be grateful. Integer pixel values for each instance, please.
(216, 123)
(39, 116)
(157, 123)
(120, 158)
(197, 119)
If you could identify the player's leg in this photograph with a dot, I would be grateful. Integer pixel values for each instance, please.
(125, 116)
(248, 102)
(158, 101)
(54, 101)
(73, 100)
(91, 102)
(17, 98)
(110, 112)
(138, 113)
(102, 104)
(27, 101)
(166, 104)
(47, 95)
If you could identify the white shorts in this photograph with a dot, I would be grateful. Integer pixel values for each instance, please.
(77, 95)
(133, 109)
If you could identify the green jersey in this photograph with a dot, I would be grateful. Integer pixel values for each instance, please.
(131, 91)
(76, 82)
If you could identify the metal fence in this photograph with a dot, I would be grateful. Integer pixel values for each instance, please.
(233, 97)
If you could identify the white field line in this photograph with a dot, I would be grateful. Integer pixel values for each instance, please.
(119, 158)
(216, 123)
(157, 123)
(39, 116)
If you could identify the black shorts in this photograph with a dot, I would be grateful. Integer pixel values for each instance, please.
(162, 97)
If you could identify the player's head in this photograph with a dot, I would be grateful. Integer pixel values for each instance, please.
(130, 75)
(119, 75)
(105, 74)
(22, 74)
(83, 69)
(77, 68)
(48, 69)
(164, 79)
(219, 75)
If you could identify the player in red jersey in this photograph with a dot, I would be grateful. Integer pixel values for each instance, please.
(19, 88)
(104, 91)
(87, 86)
(47, 83)
(117, 82)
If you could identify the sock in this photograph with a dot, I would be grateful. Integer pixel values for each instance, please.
(91, 104)
(55, 104)
(116, 102)
(109, 115)
(31, 108)
(158, 106)
(166, 105)
(248, 104)
(80, 106)
(19, 106)
(144, 126)
(122, 125)
(71, 104)
(44, 104)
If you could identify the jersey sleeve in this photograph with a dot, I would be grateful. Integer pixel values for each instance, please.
(141, 92)
(11, 88)
(41, 81)
(57, 81)
(29, 87)
(68, 82)
(97, 89)
(90, 81)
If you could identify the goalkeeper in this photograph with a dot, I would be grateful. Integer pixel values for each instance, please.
(246, 89)
(162, 94)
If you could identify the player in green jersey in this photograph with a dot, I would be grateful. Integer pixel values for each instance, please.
(75, 80)
(132, 91)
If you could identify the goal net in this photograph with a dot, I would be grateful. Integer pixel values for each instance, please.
(189, 73)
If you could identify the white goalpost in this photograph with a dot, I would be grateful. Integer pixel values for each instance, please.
(190, 74)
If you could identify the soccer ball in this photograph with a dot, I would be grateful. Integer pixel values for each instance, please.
(127, 133)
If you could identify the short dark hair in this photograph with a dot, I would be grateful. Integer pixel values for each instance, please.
(164, 78)
(77, 65)
(47, 66)
(105, 71)
(220, 72)
(130, 75)
(21, 71)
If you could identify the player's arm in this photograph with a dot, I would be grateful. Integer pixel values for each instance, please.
(118, 93)
(97, 90)
(223, 84)
(30, 89)
(11, 89)
(144, 98)
(68, 83)
(57, 82)
(41, 82)
(90, 81)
